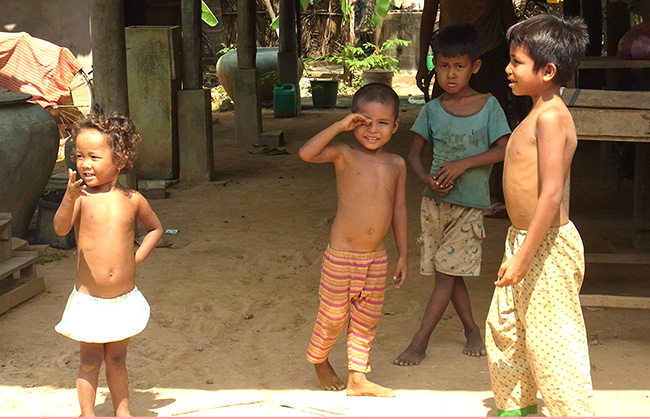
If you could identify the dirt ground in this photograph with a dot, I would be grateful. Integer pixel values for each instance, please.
(234, 297)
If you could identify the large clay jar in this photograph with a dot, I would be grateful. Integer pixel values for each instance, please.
(29, 141)
(266, 61)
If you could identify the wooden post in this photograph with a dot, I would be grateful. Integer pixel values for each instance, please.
(287, 51)
(642, 192)
(191, 30)
(109, 63)
(248, 109)
(246, 45)
(109, 55)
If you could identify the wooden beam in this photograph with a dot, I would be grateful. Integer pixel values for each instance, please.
(606, 99)
(614, 301)
(624, 258)
(191, 30)
(246, 43)
(603, 123)
(109, 56)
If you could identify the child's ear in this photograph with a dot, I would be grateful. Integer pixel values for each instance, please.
(395, 126)
(549, 71)
(476, 66)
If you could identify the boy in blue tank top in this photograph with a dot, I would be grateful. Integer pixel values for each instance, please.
(468, 131)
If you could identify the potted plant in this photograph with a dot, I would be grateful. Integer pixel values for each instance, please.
(367, 63)
(324, 88)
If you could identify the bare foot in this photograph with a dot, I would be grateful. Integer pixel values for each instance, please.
(412, 355)
(327, 378)
(475, 345)
(358, 385)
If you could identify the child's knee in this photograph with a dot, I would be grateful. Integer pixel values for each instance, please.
(89, 361)
(117, 358)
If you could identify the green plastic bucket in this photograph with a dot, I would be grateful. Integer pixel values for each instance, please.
(324, 92)
(285, 101)
(430, 62)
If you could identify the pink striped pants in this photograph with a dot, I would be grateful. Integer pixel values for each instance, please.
(352, 287)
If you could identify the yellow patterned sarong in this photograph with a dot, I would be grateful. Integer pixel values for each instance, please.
(535, 332)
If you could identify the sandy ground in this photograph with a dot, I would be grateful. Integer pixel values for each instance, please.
(233, 300)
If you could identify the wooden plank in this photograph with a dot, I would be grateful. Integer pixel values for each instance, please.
(5, 226)
(15, 264)
(603, 123)
(623, 258)
(15, 291)
(587, 63)
(614, 301)
(630, 225)
(606, 99)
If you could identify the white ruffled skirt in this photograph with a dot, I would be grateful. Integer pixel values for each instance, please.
(99, 320)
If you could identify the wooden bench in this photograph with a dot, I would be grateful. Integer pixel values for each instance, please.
(607, 115)
(19, 280)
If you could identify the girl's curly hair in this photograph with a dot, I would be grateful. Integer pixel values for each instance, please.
(120, 133)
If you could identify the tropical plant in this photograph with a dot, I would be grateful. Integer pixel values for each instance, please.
(207, 16)
(366, 57)
(381, 10)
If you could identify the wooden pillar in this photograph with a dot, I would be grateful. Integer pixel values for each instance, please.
(246, 34)
(642, 193)
(248, 109)
(191, 30)
(109, 55)
(195, 142)
(288, 47)
(110, 89)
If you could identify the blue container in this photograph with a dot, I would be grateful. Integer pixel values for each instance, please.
(285, 101)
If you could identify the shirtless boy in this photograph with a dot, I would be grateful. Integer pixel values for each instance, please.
(105, 308)
(371, 186)
(535, 332)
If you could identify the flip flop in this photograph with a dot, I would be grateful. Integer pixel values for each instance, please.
(498, 210)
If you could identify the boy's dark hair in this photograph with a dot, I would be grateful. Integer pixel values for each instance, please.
(120, 133)
(551, 39)
(456, 40)
(376, 92)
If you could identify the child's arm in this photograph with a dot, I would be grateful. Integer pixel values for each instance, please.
(452, 169)
(151, 223)
(551, 142)
(415, 159)
(318, 148)
(400, 227)
(67, 211)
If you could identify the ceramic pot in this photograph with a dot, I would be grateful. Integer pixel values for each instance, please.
(378, 76)
(29, 142)
(266, 61)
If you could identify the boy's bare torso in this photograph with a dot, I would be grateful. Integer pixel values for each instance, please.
(105, 230)
(521, 180)
(366, 183)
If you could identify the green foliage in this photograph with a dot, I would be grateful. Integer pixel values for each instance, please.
(49, 256)
(225, 48)
(367, 57)
(207, 16)
(269, 77)
(381, 10)
(222, 101)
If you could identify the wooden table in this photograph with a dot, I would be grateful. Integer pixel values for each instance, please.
(605, 63)
(602, 115)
